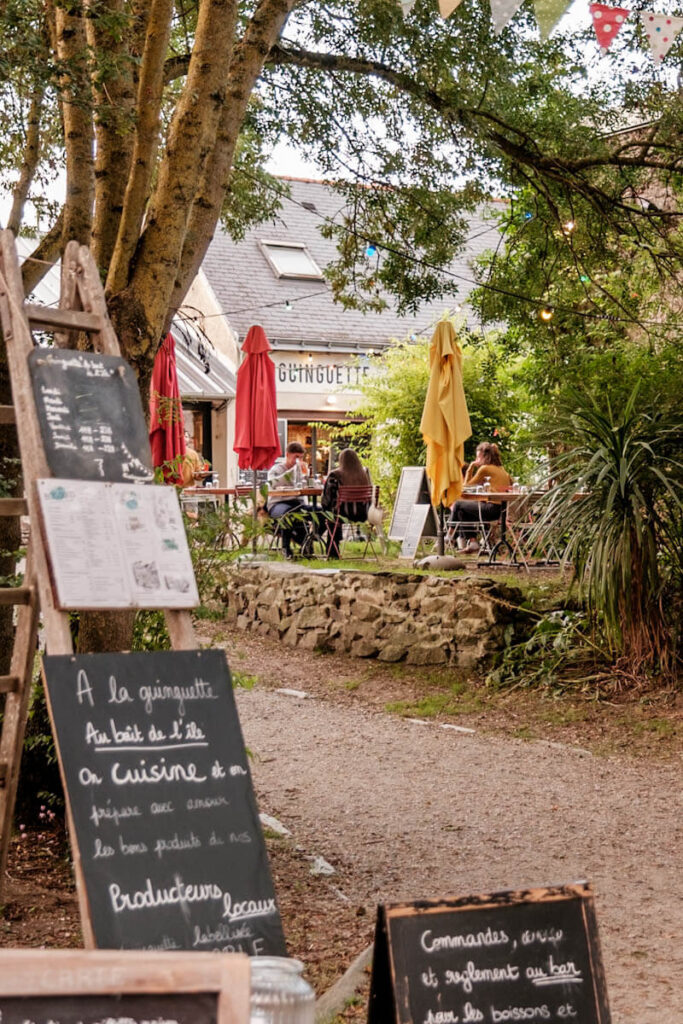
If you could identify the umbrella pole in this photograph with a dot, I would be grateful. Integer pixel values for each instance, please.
(255, 516)
(439, 529)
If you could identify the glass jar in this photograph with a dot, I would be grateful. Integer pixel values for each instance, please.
(279, 993)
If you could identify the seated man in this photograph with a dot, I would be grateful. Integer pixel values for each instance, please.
(292, 513)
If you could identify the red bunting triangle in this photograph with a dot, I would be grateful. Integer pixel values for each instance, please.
(607, 21)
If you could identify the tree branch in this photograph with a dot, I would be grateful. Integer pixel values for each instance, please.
(35, 267)
(29, 162)
(246, 66)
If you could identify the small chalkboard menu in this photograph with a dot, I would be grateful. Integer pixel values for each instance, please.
(90, 987)
(90, 415)
(421, 523)
(166, 828)
(116, 545)
(413, 489)
(531, 955)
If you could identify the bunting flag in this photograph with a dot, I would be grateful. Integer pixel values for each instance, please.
(446, 7)
(661, 30)
(502, 12)
(607, 21)
(548, 13)
(407, 6)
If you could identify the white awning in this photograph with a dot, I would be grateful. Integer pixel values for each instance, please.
(203, 373)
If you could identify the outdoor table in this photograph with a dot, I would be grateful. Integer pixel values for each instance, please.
(295, 492)
(503, 497)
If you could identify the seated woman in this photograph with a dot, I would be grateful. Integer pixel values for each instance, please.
(349, 473)
(487, 468)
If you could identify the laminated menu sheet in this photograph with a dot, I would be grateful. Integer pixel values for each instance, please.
(116, 545)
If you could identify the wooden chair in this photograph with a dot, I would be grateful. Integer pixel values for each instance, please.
(352, 507)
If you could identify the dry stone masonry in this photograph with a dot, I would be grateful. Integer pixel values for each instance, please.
(419, 619)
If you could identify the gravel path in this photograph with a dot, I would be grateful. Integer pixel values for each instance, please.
(420, 811)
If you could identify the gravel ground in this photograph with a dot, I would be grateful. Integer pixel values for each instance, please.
(415, 810)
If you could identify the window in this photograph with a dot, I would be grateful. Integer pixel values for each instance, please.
(291, 259)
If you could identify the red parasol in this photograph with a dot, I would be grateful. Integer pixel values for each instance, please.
(166, 435)
(256, 438)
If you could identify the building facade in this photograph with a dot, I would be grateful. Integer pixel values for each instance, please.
(274, 277)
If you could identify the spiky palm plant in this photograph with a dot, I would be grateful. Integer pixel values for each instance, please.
(615, 503)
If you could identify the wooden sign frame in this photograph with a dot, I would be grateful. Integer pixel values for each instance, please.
(389, 991)
(73, 973)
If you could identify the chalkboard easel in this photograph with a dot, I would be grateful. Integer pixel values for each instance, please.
(167, 840)
(509, 956)
(88, 987)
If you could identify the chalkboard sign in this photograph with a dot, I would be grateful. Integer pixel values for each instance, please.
(90, 415)
(77, 987)
(413, 489)
(512, 956)
(421, 523)
(161, 799)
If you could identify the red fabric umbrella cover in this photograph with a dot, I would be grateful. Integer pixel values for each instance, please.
(166, 431)
(256, 438)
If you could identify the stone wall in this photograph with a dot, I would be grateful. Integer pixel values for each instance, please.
(422, 620)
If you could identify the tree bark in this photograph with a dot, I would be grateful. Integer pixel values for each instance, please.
(114, 96)
(105, 631)
(76, 106)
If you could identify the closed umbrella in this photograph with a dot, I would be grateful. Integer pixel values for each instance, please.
(257, 442)
(166, 435)
(445, 423)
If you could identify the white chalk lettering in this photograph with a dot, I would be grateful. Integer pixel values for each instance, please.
(159, 771)
(247, 908)
(512, 1013)
(473, 975)
(149, 897)
(199, 690)
(83, 688)
(176, 843)
(470, 940)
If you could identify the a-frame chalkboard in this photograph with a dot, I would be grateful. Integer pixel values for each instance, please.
(166, 828)
(511, 956)
(90, 987)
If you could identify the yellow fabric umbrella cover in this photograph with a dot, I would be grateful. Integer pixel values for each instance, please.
(445, 423)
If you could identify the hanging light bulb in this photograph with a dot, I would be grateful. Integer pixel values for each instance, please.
(584, 278)
(310, 357)
(288, 306)
(528, 215)
(370, 249)
(568, 227)
(546, 313)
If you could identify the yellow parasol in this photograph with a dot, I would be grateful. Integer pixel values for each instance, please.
(445, 423)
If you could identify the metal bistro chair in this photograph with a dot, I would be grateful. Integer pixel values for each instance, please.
(348, 500)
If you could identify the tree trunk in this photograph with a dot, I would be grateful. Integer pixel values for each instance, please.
(105, 631)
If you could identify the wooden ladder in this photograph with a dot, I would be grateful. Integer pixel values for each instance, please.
(82, 310)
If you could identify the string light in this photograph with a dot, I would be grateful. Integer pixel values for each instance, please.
(584, 278)
(528, 215)
(371, 249)
(568, 227)
(546, 313)
(288, 306)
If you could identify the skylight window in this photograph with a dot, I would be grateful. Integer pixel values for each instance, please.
(291, 259)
